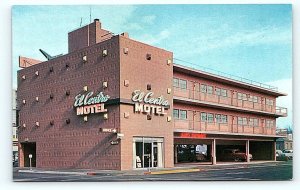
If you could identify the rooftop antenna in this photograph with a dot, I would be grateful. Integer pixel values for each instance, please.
(90, 14)
(80, 21)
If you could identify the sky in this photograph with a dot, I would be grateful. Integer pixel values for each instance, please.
(251, 41)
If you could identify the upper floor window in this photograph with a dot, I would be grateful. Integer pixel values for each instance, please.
(176, 82)
(179, 83)
(253, 122)
(203, 116)
(269, 102)
(255, 99)
(224, 92)
(270, 123)
(218, 91)
(206, 89)
(203, 88)
(221, 118)
(176, 113)
(242, 96)
(242, 121)
(221, 92)
(207, 117)
(183, 114)
(179, 114)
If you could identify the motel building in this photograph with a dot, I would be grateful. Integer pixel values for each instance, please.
(113, 103)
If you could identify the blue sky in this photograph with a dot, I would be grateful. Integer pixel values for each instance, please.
(252, 41)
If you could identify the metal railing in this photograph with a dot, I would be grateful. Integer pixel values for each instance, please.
(223, 127)
(228, 101)
(226, 75)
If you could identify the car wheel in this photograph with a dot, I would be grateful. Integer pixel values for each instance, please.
(237, 159)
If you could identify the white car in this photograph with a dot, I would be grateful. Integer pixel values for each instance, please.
(278, 153)
(288, 153)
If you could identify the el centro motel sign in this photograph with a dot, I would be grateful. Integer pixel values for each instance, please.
(88, 104)
(146, 103)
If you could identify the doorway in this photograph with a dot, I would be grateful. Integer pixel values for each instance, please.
(147, 152)
(29, 149)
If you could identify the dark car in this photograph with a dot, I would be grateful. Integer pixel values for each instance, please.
(234, 154)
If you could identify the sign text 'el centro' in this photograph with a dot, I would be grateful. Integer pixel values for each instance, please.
(88, 103)
(146, 103)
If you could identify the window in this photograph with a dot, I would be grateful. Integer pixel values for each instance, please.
(255, 99)
(176, 82)
(183, 114)
(224, 92)
(224, 119)
(203, 116)
(176, 113)
(218, 91)
(182, 84)
(240, 96)
(269, 102)
(210, 118)
(221, 118)
(209, 89)
(242, 121)
(269, 123)
(253, 122)
(203, 88)
(250, 98)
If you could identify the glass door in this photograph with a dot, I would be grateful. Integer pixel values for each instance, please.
(147, 152)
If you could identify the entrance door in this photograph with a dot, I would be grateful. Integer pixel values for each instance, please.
(147, 152)
(29, 148)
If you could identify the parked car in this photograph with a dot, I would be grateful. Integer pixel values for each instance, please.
(288, 153)
(278, 153)
(234, 154)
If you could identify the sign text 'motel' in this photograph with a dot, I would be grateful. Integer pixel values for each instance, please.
(87, 103)
(145, 103)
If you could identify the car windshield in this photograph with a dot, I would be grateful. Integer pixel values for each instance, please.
(287, 151)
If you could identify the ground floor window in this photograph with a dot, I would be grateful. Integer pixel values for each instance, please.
(147, 152)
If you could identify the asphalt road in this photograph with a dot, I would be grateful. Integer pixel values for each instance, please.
(265, 171)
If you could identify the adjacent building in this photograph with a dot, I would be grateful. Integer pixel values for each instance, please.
(14, 125)
(285, 142)
(114, 103)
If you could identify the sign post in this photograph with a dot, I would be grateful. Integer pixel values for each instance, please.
(30, 164)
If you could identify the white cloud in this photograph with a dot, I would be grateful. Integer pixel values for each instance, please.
(208, 35)
(285, 85)
(154, 39)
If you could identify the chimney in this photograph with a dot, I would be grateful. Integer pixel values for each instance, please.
(87, 35)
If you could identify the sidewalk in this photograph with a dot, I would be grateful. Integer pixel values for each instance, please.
(179, 168)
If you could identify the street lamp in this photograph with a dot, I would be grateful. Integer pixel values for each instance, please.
(30, 165)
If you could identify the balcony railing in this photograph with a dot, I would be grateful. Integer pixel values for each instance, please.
(229, 101)
(223, 127)
(225, 75)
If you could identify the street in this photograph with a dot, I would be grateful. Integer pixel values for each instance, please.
(261, 171)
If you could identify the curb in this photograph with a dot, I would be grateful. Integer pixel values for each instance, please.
(51, 172)
(173, 171)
